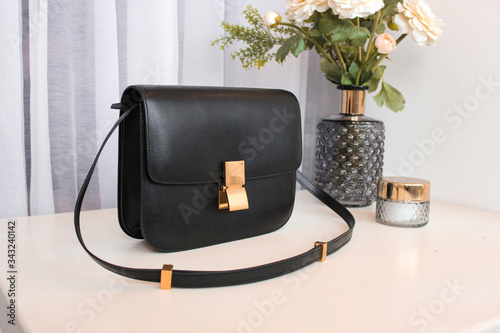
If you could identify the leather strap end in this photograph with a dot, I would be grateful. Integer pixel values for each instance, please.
(116, 106)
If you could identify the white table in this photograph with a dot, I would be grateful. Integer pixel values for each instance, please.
(444, 277)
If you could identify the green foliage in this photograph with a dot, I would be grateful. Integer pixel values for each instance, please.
(347, 79)
(388, 13)
(258, 39)
(381, 29)
(346, 46)
(294, 45)
(390, 7)
(391, 97)
(341, 31)
(332, 71)
(377, 75)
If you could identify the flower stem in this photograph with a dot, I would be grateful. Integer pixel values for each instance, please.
(316, 44)
(376, 22)
(338, 54)
(360, 48)
(400, 38)
(363, 65)
(358, 76)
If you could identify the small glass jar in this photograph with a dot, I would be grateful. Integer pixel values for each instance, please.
(403, 201)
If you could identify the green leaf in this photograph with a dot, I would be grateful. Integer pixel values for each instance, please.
(365, 76)
(283, 51)
(375, 79)
(332, 71)
(358, 35)
(342, 30)
(347, 80)
(298, 46)
(328, 23)
(368, 24)
(391, 97)
(314, 33)
(379, 72)
(294, 44)
(390, 7)
(353, 69)
(339, 30)
(380, 29)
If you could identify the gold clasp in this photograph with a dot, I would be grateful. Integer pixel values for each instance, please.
(232, 195)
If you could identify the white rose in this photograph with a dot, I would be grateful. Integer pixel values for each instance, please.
(349, 9)
(416, 19)
(271, 19)
(385, 43)
(300, 10)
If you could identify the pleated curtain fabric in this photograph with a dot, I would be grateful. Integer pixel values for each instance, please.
(65, 62)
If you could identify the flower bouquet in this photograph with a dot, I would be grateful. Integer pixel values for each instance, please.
(349, 35)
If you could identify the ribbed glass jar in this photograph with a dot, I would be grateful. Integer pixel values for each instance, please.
(349, 152)
(410, 214)
(403, 202)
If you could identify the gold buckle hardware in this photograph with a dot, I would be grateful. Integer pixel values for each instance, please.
(232, 195)
(166, 277)
(324, 246)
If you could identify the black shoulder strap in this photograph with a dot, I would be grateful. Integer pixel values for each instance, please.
(200, 279)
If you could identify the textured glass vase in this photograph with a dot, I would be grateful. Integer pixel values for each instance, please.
(349, 151)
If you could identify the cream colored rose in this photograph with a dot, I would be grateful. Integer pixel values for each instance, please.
(300, 10)
(349, 9)
(271, 19)
(385, 43)
(416, 19)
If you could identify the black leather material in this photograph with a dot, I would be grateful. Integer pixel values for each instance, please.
(189, 131)
(131, 208)
(171, 157)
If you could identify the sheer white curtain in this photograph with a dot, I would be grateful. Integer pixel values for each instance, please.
(65, 62)
(13, 188)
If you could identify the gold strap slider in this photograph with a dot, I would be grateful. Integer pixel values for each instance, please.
(166, 277)
(324, 249)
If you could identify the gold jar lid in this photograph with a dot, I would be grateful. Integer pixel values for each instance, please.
(404, 189)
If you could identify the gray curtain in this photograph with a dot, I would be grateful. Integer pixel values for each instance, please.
(66, 62)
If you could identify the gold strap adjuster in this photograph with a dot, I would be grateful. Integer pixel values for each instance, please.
(232, 195)
(166, 277)
(324, 249)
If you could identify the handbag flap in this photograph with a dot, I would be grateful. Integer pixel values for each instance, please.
(190, 132)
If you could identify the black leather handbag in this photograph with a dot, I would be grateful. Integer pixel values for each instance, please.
(200, 166)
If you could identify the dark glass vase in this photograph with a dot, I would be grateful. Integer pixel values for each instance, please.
(349, 151)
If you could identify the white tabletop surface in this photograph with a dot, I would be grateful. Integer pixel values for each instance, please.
(444, 277)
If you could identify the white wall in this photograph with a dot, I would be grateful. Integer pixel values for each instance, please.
(449, 132)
